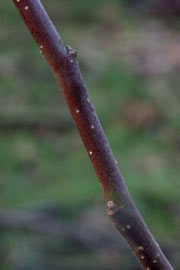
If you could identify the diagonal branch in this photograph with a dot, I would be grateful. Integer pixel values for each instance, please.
(120, 206)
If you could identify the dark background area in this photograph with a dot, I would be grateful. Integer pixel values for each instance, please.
(52, 213)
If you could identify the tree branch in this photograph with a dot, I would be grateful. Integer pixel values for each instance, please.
(120, 206)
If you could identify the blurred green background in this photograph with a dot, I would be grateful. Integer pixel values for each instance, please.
(52, 210)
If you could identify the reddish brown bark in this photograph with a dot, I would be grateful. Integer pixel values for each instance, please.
(120, 206)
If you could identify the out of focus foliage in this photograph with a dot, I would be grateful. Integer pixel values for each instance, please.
(129, 54)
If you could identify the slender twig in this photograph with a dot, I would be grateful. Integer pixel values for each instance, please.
(120, 206)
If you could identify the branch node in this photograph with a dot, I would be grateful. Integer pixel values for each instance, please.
(112, 208)
(71, 52)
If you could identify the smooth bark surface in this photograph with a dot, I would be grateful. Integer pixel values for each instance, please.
(120, 206)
